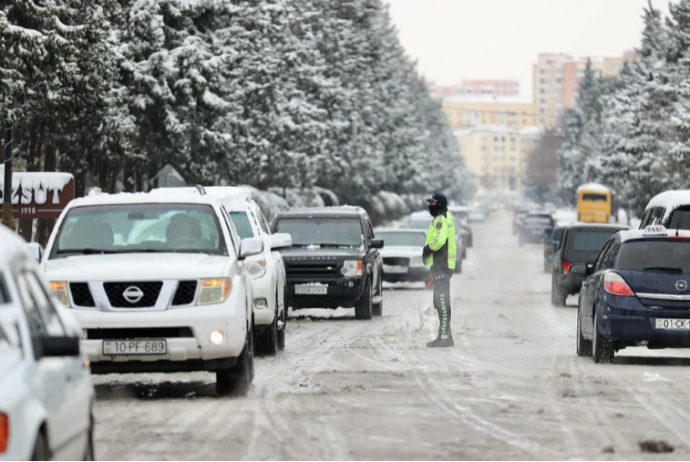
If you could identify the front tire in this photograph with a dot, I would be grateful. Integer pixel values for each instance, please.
(377, 308)
(583, 347)
(238, 379)
(281, 330)
(558, 297)
(40, 451)
(267, 340)
(363, 307)
(602, 347)
(458, 267)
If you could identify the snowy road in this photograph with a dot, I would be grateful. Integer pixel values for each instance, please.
(512, 388)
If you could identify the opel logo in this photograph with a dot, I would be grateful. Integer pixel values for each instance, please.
(133, 294)
(681, 286)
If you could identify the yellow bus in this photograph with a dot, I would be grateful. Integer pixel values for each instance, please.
(594, 204)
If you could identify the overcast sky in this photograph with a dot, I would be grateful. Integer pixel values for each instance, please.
(456, 39)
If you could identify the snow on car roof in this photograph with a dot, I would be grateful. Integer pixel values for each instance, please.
(670, 200)
(420, 216)
(628, 235)
(350, 210)
(11, 244)
(143, 198)
(593, 187)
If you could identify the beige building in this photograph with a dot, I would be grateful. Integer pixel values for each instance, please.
(497, 155)
(470, 110)
(556, 77)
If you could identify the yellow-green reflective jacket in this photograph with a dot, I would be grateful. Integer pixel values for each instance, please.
(440, 238)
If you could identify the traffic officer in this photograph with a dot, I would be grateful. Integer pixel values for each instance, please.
(440, 254)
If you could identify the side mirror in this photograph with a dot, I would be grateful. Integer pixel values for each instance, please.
(281, 241)
(250, 246)
(376, 244)
(51, 347)
(579, 268)
(36, 250)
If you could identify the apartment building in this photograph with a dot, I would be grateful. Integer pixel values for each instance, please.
(497, 155)
(556, 78)
(471, 110)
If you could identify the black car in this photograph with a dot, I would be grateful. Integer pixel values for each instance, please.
(334, 260)
(536, 227)
(581, 244)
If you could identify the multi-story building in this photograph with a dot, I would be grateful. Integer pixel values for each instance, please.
(444, 91)
(467, 111)
(556, 79)
(493, 87)
(497, 155)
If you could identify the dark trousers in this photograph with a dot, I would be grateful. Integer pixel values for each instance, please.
(442, 300)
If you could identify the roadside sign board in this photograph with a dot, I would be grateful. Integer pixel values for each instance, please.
(39, 194)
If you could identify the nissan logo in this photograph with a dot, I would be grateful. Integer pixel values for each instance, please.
(133, 294)
(681, 286)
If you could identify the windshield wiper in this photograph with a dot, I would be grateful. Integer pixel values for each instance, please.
(664, 269)
(327, 244)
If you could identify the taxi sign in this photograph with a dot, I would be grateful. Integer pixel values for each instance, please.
(655, 230)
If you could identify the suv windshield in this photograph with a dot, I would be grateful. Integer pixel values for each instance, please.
(641, 255)
(242, 225)
(345, 232)
(133, 228)
(399, 239)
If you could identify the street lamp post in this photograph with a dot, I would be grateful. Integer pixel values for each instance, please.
(7, 217)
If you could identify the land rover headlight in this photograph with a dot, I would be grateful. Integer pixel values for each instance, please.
(352, 269)
(256, 268)
(212, 291)
(59, 291)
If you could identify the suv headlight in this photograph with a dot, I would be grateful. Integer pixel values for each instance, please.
(352, 269)
(212, 291)
(416, 261)
(59, 291)
(256, 268)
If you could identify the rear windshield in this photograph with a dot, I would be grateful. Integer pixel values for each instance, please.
(537, 221)
(594, 197)
(680, 219)
(242, 225)
(324, 232)
(589, 241)
(402, 239)
(655, 254)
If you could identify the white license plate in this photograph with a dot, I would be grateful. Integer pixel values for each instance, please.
(394, 269)
(673, 324)
(135, 347)
(311, 290)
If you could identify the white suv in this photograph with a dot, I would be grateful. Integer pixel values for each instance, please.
(157, 285)
(46, 394)
(267, 270)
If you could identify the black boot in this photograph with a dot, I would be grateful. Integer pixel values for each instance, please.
(441, 342)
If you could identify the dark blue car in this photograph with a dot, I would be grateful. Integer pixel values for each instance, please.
(637, 293)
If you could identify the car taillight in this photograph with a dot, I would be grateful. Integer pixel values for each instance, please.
(553, 223)
(566, 265)
(4, 432)
(548, 247)
(616, 285)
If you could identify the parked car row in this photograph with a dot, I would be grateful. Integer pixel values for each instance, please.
(633, 286)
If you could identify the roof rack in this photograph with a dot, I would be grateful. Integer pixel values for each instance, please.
(201, 189)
